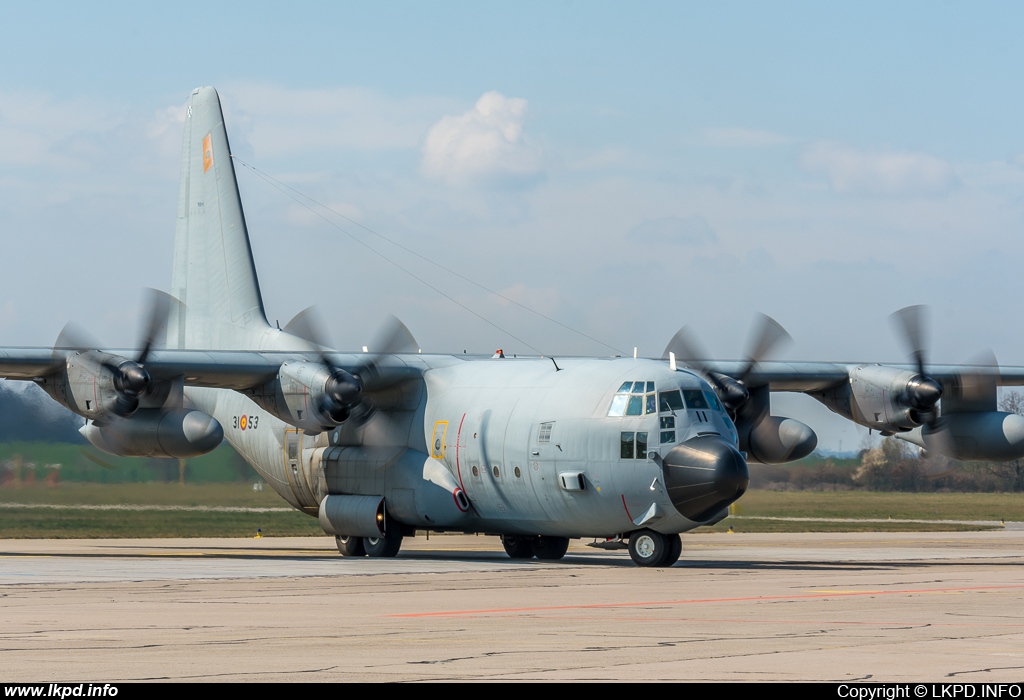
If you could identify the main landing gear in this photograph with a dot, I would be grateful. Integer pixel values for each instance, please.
(386, 546)
(650, 548)
(540, 546)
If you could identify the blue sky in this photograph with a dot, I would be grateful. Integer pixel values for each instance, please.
(624, 168)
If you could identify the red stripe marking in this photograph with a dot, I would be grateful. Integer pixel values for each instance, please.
(626, 509)
(458, 441)
(743, 599)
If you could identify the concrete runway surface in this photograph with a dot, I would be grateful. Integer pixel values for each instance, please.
(737, 607)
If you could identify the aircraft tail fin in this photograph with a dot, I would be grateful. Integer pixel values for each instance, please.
(214, 273)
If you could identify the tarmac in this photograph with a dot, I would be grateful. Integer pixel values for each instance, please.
(851, 607)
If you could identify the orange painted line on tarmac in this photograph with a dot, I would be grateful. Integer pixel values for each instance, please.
(744, 599)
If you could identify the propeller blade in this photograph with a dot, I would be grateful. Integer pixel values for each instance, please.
(393, 338)
(768, 336)
(975, 389)
(158, 311)
(309, 325)
(73, 338)
(687, 348)
(690, 351)
(910, 323)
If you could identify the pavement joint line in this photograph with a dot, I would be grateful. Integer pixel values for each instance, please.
(742, 599)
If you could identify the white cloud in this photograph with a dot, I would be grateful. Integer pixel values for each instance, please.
(743, 138)
(282, 122)
(693, 230)
(887, 173)
(487, 143)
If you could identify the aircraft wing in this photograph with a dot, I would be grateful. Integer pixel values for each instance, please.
(819, 376)
(227, 369)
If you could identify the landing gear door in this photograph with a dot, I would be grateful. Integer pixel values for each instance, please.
(295, 471)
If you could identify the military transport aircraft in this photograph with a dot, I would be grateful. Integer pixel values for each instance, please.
(534, 450)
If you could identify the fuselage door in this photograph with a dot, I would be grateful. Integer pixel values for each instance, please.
(294, 469)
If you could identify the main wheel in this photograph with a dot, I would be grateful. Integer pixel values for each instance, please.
(350, 546)
(675, 549)
(649, 548)
(550, 548)
(517, 546)
(386, 546)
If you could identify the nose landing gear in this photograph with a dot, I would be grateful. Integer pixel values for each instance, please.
(650, 548)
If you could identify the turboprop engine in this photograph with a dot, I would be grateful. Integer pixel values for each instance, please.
(155, 432)
(887, 399)
(312, 396)
(98, 385)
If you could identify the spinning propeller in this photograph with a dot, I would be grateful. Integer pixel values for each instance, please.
(343, 390)
(130, 377)
(766, 338)
(923, 392)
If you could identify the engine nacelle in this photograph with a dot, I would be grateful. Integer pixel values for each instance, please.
(876, 397)
(88, 384)
(176, 433)
(776, 439)
(306, 395)
(984, 435)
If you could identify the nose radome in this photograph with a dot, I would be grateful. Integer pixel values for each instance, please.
(704, 475)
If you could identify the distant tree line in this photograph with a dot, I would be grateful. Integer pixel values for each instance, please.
(29, 415)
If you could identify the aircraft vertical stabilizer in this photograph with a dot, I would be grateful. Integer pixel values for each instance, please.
(214, 274)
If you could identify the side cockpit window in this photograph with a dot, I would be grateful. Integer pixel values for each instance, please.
(633, 445)
(670, 401)
(695, 398)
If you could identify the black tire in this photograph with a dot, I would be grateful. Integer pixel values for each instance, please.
(648, 548)
(550, 548)
(518, 546)
(350, 546)
(386, 546)
(675, 549)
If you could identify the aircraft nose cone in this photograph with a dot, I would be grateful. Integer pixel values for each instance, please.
(704, 475)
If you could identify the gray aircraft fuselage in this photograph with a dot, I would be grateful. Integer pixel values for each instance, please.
(533, 448)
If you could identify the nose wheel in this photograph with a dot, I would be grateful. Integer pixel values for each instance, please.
(650, 548)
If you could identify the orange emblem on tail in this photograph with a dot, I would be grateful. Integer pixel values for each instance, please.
(207, 153)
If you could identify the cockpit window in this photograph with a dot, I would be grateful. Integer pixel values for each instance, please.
(712, 400)
(635, 407)
(630, 399)
(695, 398)
(670, 401)
(618, 407)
